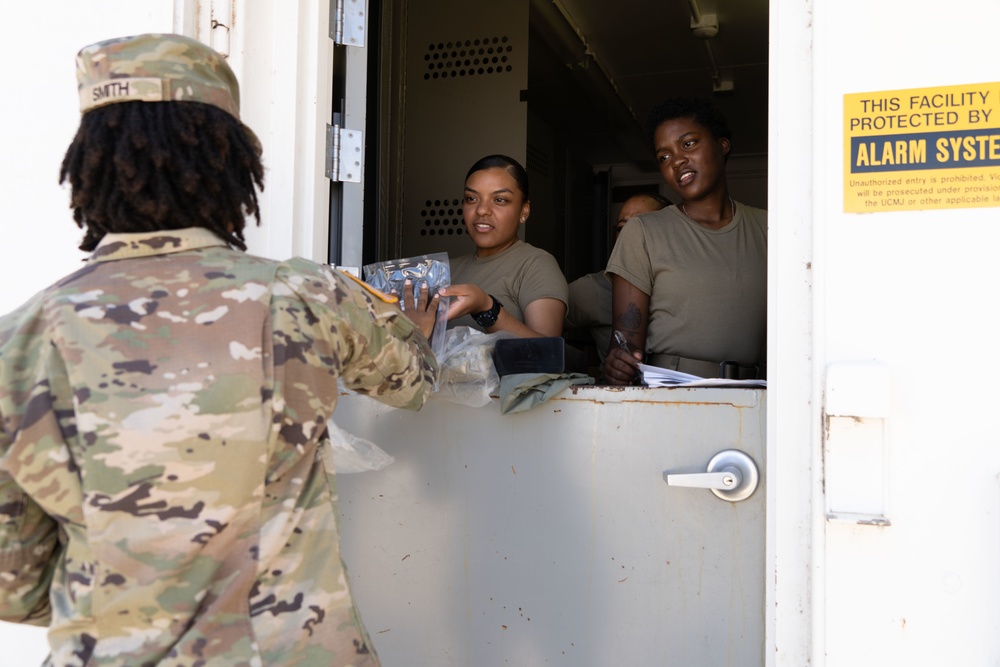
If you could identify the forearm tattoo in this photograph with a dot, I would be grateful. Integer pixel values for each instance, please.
(631, 318)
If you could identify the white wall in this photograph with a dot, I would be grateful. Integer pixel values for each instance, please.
(916, 292)
(39, 41)
(282, 55)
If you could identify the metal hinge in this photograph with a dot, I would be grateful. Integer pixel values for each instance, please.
(345, 155)
(347, 22)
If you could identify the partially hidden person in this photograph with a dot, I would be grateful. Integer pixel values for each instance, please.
(589, 305)
(166, 496)
(505, 284)
(689, 281)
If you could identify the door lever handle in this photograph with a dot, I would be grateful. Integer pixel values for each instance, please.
(731, 475)
(725, 480)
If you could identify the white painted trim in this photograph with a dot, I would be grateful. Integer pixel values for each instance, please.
(283, 57)
(795, 527)
(192, 18)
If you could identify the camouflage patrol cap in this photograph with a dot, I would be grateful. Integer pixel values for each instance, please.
(155, 68)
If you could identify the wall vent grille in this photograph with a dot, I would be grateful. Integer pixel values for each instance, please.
(442, 217)
(470, 57)
(537, 160)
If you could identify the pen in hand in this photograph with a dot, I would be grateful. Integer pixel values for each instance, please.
(624, 344)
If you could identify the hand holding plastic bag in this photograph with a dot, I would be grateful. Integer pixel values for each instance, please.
(393, 276)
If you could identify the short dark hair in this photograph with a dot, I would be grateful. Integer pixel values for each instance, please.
(700, 109)
(150, 166)
(512, 166)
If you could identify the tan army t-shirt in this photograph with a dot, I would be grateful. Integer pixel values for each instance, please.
(707, 288)
(516, 276)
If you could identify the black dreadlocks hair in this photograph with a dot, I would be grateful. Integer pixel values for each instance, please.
(149, 166)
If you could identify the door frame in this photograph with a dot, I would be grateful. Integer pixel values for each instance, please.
(795, 523)
(291, 113)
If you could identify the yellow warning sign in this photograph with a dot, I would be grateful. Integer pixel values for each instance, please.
(923, 148)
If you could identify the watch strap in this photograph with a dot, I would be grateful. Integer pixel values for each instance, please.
(488, 318)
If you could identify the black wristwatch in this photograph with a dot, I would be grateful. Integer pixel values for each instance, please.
(488, 318)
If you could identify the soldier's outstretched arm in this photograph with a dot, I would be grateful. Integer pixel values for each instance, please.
(364, 337)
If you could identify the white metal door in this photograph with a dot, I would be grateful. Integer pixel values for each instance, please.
(550, 536)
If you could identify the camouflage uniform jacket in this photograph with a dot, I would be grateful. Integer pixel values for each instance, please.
(164, 498)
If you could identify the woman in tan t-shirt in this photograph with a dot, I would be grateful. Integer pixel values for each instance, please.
(506, 284)
(689, 283)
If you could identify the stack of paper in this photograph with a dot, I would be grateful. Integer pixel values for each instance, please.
(654, 376)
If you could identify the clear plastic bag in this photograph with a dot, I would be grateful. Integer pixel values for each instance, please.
(433, 270)
(468, 375)
(350, 453)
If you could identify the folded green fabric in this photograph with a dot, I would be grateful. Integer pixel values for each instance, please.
(523, 391)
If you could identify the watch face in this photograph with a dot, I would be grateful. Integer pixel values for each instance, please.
(488, 318)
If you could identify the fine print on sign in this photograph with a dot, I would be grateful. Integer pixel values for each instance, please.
(924, 148)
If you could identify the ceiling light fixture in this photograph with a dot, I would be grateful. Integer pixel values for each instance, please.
(705, 27)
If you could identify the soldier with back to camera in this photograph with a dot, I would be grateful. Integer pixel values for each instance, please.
(165, 493)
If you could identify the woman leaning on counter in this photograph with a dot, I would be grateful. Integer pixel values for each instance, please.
(506, 284)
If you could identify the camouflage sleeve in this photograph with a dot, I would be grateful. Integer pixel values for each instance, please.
(28, 536)
(27, 544)
(382, 353)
